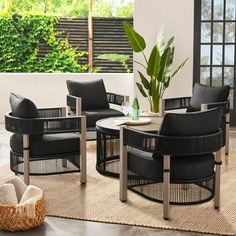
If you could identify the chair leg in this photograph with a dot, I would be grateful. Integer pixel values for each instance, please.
(227, 135)
(166, 187)
(26, 158)
(83, 158)
(64, 163)
(217, 179)
(63, 114)
(78, 106)
(123, 168)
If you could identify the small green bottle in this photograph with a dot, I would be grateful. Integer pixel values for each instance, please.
(135, 106)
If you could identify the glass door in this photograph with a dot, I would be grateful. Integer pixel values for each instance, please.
(214, 45)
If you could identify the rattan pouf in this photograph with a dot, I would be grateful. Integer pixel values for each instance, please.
(12, 220)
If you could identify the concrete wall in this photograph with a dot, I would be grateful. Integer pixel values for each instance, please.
(177, 16)
(49, 90)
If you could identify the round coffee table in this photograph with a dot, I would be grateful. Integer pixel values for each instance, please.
(108, 143)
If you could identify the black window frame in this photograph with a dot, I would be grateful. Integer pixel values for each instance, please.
(197, 49)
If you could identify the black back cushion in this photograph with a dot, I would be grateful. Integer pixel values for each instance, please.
(93, 93)
(207, 94)
(23, 107)
(191, 124)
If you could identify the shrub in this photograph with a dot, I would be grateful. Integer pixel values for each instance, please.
(20, 40)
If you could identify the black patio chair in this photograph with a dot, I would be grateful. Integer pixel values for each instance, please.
(91, 99)
(205, 97)
(175, 166)
(45, 141)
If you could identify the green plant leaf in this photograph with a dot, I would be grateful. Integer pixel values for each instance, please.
(170, 42)
(20, 41)
(160, 40)
(164, 65)
(153, 67)
(180, 66)
(136, 41)
(114, 57)
(140, 87)
(145, 82)
(171, 56)
(167, 82)
(151, 89)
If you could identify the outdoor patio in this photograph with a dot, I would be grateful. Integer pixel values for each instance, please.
(130, 61)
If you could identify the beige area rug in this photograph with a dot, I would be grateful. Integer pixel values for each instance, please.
(98, 200)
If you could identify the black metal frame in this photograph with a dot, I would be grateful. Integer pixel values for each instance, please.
(183, 102)
(50, 122)
(202, 183)
(50, 125)
(112, 98)
(103, 155)
(197, 48)
(171, 146)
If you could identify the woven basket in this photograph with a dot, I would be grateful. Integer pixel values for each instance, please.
(12, 220)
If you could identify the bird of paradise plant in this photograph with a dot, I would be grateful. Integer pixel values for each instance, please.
(157, 66)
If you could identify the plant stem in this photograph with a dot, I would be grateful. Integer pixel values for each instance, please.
(140, 64)
(145, 57)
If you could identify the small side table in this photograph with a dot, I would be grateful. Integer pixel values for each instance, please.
(108, 142)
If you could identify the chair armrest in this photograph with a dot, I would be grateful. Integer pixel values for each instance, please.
(172, 145)
(225, 106)
(52, 112)
(75, 103)
(176, 103)
(37, 126)
(116, 99)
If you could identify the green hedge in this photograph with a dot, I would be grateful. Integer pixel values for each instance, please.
(20, 38)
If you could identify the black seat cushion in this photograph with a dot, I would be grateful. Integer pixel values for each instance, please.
(191, 124)
(22, 107)
(47, 144)
(93, 116)
(93, 93)
(182, 168)
(203, 94)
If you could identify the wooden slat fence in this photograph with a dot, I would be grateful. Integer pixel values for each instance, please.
(108, 37)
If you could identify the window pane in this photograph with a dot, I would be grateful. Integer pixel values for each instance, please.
(218, 32)
(205, 54)
(217, 55)
(229, 54)
(218, 9)
(206, 32)
(206, 10)
(230, 10)
(229, 32)
(205, 75)
(216, 76)
(229, 76)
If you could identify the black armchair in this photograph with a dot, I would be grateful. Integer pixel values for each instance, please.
(44, 140)
(175, 166)
(205, 97)
(92, 100)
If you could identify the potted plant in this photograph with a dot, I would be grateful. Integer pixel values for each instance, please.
(157, 66)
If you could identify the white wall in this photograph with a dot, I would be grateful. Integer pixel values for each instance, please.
(177, 16)
(49, 90)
